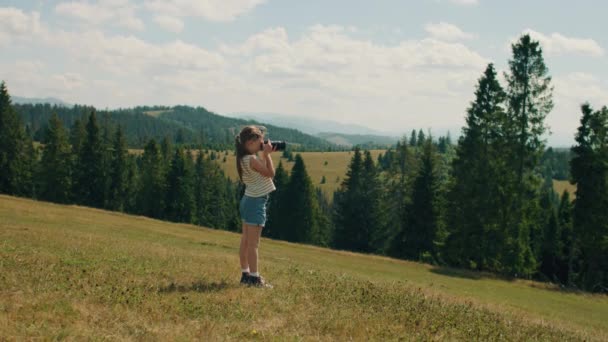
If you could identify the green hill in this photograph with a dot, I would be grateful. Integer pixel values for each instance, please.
(74, 272)
(184, 124)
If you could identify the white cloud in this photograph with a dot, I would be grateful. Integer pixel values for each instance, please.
(169, 23)
(446, 31)
(16, 24)
(117, 12)
(558, 44)
(327, 70)
(128, 55)
(465, 2)
(213, 10)
(571, 91)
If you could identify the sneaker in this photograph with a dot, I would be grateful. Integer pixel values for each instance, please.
(245, 278)
(259, 282)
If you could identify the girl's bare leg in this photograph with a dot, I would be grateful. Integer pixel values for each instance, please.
(253, 242)
(243, 248)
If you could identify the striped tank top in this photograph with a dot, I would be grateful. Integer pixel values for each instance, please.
(256, 185)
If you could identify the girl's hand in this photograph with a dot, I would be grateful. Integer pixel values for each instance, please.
(268, 148)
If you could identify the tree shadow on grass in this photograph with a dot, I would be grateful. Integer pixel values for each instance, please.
(467, 274)
(196, 286)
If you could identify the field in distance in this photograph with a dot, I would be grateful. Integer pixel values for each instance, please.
(74, 272)
(332, 165)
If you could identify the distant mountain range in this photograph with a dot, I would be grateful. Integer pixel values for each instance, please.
(33, 100)
(336, 132)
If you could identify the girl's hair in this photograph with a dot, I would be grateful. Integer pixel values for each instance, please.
(247, 133)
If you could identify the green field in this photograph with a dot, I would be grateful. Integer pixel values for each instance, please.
(334, 171)
(74, 272)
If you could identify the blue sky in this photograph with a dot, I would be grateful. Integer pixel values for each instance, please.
(389, 65)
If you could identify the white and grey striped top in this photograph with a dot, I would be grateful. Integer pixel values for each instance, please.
(256, 185)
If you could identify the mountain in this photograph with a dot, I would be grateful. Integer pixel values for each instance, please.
(364, 140)
(185, 125)
(308, 125)
(33, 100)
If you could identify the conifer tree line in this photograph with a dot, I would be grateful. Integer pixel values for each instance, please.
(89, 164)
(486, 203)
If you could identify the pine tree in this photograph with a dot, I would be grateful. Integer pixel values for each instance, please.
(421, 138)
(473, 201)
(200, 193)
(77, 135)
(90, 175)
(421, 227)
(15, 155)
(179, 196)
(567, 262)
(357, 211)
(277, 223)
(300, 205)
(151, 192)
(347, 209)
(372, 234)
(132, 181)
(413, 141)
(55, 167)
(529, 98)
(395, 196)
(589, 169)
(118, 173)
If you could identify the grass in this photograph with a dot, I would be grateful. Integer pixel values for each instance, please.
(69, 272)
(563, 185)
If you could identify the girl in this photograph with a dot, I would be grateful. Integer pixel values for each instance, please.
(257, 176)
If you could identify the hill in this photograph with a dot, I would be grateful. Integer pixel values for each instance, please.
(183, 124)
(80, 273)
(33, 100)
(363, 140)
(308, 124)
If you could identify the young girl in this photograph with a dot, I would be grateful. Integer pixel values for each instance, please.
(257, 176)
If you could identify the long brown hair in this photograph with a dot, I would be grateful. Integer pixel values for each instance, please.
(247, 133)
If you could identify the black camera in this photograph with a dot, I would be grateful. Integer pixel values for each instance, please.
(276, 145)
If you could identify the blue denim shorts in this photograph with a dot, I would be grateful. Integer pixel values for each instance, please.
(253, 210)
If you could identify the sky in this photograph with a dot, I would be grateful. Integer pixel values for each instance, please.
(390, 65)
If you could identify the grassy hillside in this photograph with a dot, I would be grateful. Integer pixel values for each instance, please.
(73, 272)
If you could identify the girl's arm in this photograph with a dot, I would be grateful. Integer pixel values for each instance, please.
(265, 167)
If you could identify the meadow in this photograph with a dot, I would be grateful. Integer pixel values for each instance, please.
(70, 272)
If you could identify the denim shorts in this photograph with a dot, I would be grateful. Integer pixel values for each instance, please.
(253, 210)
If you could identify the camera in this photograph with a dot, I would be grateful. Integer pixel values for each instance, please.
(277, 145)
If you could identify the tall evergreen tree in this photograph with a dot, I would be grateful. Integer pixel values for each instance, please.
(473, 199)
(118, 173)
(179, 195)
(200, 193)
(357, 211)
(77, 135)
(529, 98)
(301, 205)
(421, 228)
(151, 193)
(15, 154)
(55, 166)
(421, 138)
(278, 217)
(372, 237)
(90, 174)
(590, 217)
(413, 140)
(347, 208)
(567, 262)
